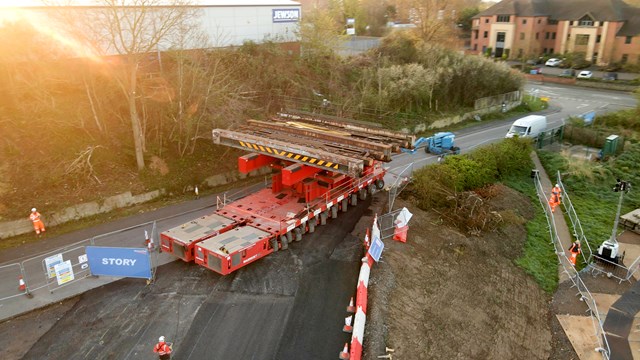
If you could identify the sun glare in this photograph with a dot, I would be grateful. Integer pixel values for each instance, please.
(11, 13)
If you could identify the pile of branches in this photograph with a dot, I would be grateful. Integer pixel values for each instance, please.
(469, 212)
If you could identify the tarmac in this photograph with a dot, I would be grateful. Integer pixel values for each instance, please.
(579, 329)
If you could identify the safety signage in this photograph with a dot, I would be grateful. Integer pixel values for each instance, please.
(376, 248)
(112, 261)
(50, 263)
(589, 117)
(376, 243)
(64, 272)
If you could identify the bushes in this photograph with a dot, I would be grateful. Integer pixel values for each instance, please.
(434, 184)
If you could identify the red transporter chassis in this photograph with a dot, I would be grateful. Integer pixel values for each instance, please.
(250, 228)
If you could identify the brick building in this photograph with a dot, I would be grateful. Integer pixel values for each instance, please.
(606, 31)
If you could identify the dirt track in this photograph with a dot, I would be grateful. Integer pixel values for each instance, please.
(446, 295)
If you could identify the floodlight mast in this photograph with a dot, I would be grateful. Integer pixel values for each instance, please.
(622, 187)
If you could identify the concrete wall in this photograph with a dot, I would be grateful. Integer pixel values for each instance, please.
(79, 211)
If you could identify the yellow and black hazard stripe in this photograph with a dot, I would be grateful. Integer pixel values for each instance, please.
(292, 156)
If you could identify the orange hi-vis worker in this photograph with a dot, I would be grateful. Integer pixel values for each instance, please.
(574, 250)
(38, 225)
(553, 202)
(557, 192)
(162, 349)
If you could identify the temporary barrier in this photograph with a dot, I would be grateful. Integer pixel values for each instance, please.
(65, 267)
(17, 286)
(585, 295)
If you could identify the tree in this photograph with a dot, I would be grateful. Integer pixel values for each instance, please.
(465, 16)
(132, 29)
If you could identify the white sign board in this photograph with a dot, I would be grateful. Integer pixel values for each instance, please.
(64, 272)
(82, 259)
(50, 264)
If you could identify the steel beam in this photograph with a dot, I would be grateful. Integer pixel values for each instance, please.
(377, 150)
(290, 152)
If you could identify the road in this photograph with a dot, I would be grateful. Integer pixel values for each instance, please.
(289, 305)
(564, 101)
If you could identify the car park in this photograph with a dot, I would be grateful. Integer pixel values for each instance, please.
(569, 73)
(610, 76)
(585, 74)
(553, 62)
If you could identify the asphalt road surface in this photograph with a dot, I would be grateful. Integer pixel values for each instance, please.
(289, 305)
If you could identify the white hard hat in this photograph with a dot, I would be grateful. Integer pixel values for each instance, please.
(33, 210)
(161, 339)
(557, 185)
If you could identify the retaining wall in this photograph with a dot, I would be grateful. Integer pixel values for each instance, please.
(79, 211)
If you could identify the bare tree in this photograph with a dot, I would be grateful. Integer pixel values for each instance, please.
(135, 30)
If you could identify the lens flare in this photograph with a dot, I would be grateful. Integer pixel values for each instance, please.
(44, 25)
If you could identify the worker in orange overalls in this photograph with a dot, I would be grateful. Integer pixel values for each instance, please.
(574, 250)
(557, 192)
(162, 349)
(553, 202)
(38, 225)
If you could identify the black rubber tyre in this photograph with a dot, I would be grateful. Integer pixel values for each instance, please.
(334, 212)
(283, 242)
(354, 199)
(344, 205)
(274, 244)
(380, 184)
(297, 232)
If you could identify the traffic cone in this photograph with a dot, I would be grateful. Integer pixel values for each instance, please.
(366, 240)
(21, 285)
(351, 308)
(344, 355)
(347, 325)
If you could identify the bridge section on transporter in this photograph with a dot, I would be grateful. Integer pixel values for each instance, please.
(319, 167)
(619, 261)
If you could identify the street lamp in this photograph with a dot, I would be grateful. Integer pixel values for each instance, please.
(609, 248)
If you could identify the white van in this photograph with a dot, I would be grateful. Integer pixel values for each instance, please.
(529, 126)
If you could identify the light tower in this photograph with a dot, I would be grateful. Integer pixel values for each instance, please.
(609, 248)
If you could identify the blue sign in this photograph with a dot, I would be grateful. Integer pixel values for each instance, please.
(589, 117)
(376, 248)
(286, 15)
(112, 261)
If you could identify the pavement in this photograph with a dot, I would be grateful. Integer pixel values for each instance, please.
(121, 232)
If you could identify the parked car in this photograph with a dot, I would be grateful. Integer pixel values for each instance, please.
(610, 76)
(568, 73)
(585, 74)
(553, 62)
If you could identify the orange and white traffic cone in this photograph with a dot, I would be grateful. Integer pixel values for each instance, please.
(21, 285)
(351, 308)
(344, 355)
(347, 324)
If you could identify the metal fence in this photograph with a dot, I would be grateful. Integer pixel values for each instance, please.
(400, 182)
(599, 265)
(570, 270)
(550, 136)
(37, 272)
(576, 226)
(387, 223)
(497, 100)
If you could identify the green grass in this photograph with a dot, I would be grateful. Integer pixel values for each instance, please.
(590, 189)
(538, 257)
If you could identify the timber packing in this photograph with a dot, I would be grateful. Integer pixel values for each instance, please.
(339, 147)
